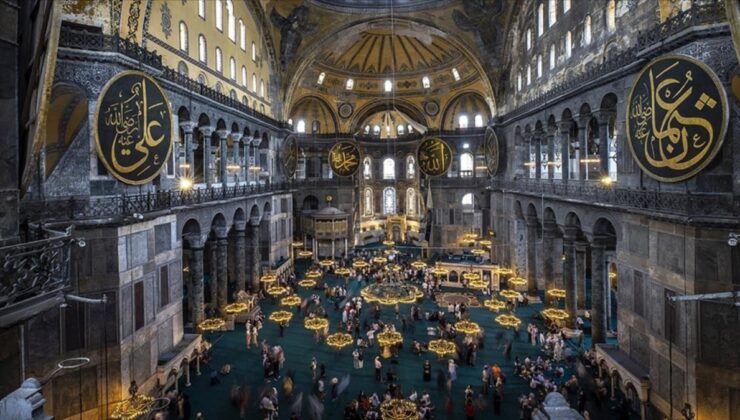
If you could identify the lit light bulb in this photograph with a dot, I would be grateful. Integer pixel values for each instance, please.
(186, 184)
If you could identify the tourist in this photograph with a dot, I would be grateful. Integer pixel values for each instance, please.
(427, 371)
(313, 366)
(356, 358)
(378, 366)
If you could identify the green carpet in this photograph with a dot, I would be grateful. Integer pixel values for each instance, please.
(299, 346)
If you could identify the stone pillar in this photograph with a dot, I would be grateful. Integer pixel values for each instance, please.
(569, 250)
(548, 261)
(196, 291)
(187, 129)
(582, 142)
(206, 132)
(528, 139)
(564, 127)
(235, 138)
(531, 255)
(240, 248)
(223, 135)
(581, 248)
(604, 118)
(550, 152)
(222, 243)
(254, 248)
(598, 289)
(537, 138)
(187, 374)
(213, 273)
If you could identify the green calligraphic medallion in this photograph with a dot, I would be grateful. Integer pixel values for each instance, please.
(289, 155)
(133, 127)
(434, 156)
(491, 151)
(344, 158)
(677, 118)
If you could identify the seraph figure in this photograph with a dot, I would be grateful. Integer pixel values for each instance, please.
(292, 30)
(480, 19)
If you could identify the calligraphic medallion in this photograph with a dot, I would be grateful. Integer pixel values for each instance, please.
(344, 158)
(491, 151)
(434, 156)
(289, 155)
(133, 127)
(676, 118)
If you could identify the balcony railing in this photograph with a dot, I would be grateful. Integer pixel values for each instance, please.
(696, 205)
(98, 41)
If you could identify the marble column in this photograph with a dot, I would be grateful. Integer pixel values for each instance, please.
(254, 248)
(235, 138)
(564, 128)
(532, 255)
(187, 129)
(537, 138)
(196, 291)
(598, 290)
(569, 279)
(206, 132)
(213, 274)
(548, 260)
(550, 152)
(240, 247)
(582, 142)
(604, 118)
(223, 135)
(581, 248)
(222, 243)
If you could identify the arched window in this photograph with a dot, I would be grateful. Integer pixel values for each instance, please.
(528, 39)
(232, 68)
(301, 126)
(368, 202)
(242, 35)
(587, 30)
(462, 121)
(410, 167)
(202, 79)
(466, 165)
(219, 15)
(245, 101)
(254, 52)
(552, 56)
(519, 82)
(231, 20)
(389, 200)
(478, 120)
(425, 82)
(540, 19)
(244, 76)
(254, 82)
(183, 37)
(367, 168)
(262, 88)
(202, 49)
(376, 130)
(367, 129)
(219, 87)
(411, 202)
(219, 60)
(456, 74)
(611, 16)
(202, 8)
(468, 200)
(320, 80)
(552, 9)
(232, 94)
(529, 75)
(389, 168)
(566, 6)
(350, 84)
(410, 128)
(388, 85)
(182, 68)
(315, 126)
(400, 130)
(539, 66)
(568, 44)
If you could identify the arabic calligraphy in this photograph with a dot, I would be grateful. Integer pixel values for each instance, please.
(344, 158)
(133, 128)
(290, 155)
(434, 156)
(490, 151)
(676, 118)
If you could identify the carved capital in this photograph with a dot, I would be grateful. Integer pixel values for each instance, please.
(206, 130)
(188, 126)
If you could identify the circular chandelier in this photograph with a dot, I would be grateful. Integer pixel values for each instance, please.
(470, 236)
(307, 283)
(304, 253)
(297, 244)
(471, 276)
(380, 260)
(277, 290)
(391, 293)
(398, 409)
(389, 338)
(292, 300)
(391, 251)
(503, 271)
(339, 340)
(326, 263)
(389, 243)
(555, 314)
(478, 251)
(316, 324)
(360, 264)
(342, 271)
(136, 406)
(418, 264)
(268, 278)
(485, 242)
(281, 317)
(510, 294)
(313, 274)
(439, 271)
(557, 293)
(235, 308)
(478, 284)
(467, 327)
(508, 320)
(517, 281)
(212, 324)
(494, 304)
(442, 347)
(394, 267)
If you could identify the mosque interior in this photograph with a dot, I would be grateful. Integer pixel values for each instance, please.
(370, 209)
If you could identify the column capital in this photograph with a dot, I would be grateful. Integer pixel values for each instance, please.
(254, 222)
(236, 137)
(570, 233)
(206, 130)
(549, 229)
(194, 240)
(583, 120)
(223, 134)
(565, 126)
(256, 141)
(605, 115)
(532, 221)
(188, 126)
(599, 241)
(240, 226)
(221, 233)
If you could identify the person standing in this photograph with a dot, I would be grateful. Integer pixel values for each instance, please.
(248, 334)
(378, 367)
(485, 379)
(427, 371)
(356, 359)
(313, 366)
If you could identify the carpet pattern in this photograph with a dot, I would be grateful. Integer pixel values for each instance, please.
(445, 298)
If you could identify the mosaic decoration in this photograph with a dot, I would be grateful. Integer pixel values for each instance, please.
(345, 110)
(676, 118)
(491, 151)
(289, 155)
(134, 12)
(166, 20)
(133, 128)
(434, 156)
(344, 158)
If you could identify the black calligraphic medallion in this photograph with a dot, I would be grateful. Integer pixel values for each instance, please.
(491, 151)
(133, 127)
(289, 155)
(434, 156)
(344, 158)
(676, 118)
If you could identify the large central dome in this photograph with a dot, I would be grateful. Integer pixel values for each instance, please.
(401, 5)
